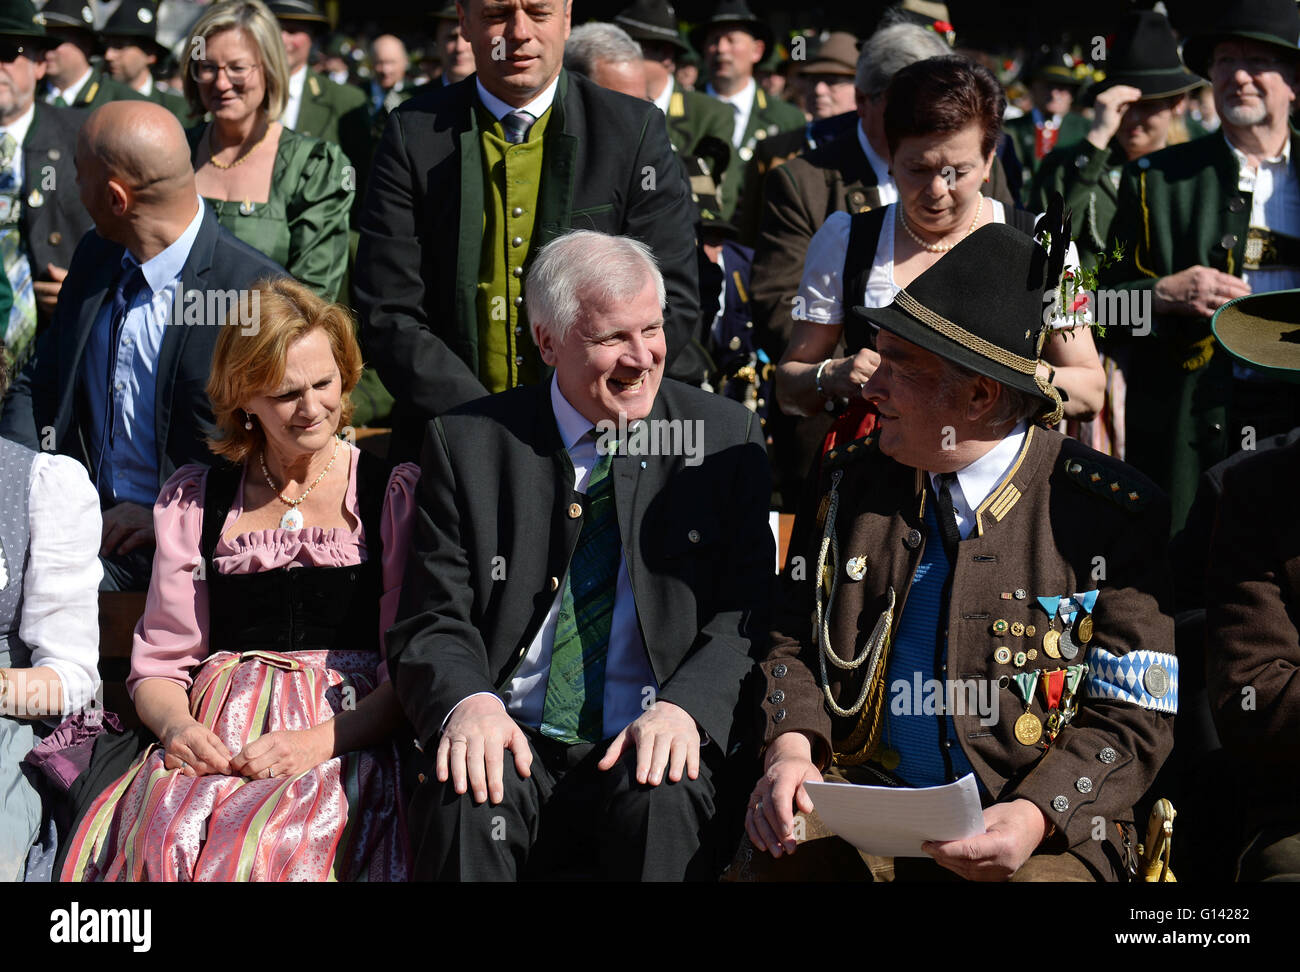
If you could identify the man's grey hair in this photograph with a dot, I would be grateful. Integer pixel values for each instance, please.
(592, 43)
(585, 270)
(889, 50)
(1012, 406)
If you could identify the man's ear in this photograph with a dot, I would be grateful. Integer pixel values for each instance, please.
(546, 344)
(119, 197)
(762, 50)
(38, 67)
(984, 393)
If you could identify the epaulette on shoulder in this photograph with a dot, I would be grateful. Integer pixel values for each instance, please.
(841, 456)
(1105, 480)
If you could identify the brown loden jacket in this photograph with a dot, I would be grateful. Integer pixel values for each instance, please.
(1052, 525)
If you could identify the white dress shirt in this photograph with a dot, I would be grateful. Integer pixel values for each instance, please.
(742, 105)
(498, 109)
(289, 117)
(70, 92)
(60, 612)
(663, 100)
(885, 187)
(1274, 205)
(978, 480)
(629, 680)
(146, 89)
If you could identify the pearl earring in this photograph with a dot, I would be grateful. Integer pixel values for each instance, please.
(248, 422)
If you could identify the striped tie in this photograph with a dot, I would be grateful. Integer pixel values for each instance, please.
(19, 330)
(575, 690)
(516, 125)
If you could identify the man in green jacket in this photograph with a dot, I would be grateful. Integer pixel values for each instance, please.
(1202, 223)
(316, 105)
(1052, 123)
(71, 79)
(131, 50)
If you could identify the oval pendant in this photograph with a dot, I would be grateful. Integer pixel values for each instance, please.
(291, 520)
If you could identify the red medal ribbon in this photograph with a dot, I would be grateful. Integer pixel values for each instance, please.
(1044, 139)
(1053, 685)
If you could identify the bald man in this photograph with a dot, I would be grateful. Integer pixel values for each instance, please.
(111, 384)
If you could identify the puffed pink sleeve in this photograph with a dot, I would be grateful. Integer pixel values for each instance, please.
(395, 531)
(172, 636)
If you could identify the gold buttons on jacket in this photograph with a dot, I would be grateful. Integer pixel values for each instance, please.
(575, 510)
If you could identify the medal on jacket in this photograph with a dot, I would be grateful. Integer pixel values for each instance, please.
(1028, 727)
(1053, 686)
(1070, 699)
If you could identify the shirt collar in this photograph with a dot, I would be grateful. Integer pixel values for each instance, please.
(296, 82)
(499, 109)
(878, 165)
(981, 477)
(665, 99)
(71, 91)
(571, 423)
(742, 99)
(163, 268)
(18, 128)
(1284, 158)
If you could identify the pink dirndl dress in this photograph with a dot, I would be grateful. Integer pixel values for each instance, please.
(341, 820)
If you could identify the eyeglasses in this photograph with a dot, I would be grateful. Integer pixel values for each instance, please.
(205, 72)
(1251, 65)
(10, 52)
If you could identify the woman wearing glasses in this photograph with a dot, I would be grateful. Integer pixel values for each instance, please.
(283, 193)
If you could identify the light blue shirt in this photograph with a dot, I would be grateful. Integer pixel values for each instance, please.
(128, 471)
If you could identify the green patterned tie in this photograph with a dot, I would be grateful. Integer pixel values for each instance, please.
(574, 708)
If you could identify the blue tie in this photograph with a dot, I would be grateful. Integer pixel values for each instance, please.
(129, 283)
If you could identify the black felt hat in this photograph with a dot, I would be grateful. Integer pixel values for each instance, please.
(1054, 64)
(654, 21)
(1262, 331)
(1145, 56)
(18, 18)
(1272, 22)
(69, 15)
(134, 19)
(735, 13)
(305, 11)
(982, 307)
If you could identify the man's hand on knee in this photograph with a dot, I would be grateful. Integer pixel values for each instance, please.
(472, 749)
(779, 792)
(664, 736)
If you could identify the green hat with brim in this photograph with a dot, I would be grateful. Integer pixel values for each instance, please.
(18, 18)
(1262, 331)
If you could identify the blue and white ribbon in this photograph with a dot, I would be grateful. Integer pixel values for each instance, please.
(1145, 678)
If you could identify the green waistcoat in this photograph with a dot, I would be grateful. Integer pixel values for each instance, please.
(507, 355)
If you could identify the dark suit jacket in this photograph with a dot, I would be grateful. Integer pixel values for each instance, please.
(46, 394)
(422, 229)
(497, 482)
(50, 230)
(324, 107)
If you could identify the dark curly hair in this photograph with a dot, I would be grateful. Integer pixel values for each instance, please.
(941, 95)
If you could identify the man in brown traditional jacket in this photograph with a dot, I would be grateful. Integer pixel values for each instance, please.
(963, 554)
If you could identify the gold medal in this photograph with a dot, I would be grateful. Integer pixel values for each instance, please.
(1017, 628)
(1032, 653)
(890, 759)
(1085, 629)
(1002, 655)
(1028, 729)
(1051, 640)
(1000, 626)
(1030, 631)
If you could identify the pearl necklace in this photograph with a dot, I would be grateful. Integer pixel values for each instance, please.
(292, 520)
(239, 161)
(939, 247)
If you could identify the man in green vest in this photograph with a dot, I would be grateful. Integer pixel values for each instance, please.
(733, 41)
(1202, 223)
(691, 116)
(131, 51)
(1051, 123)
(71, 80)
(472, 179)
(316, 106)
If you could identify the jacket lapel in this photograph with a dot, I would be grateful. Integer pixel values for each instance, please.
(555, 194)
(313, 114)
(73, 341)
(469, 250)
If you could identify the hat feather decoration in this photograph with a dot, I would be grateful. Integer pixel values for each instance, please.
(1053, 227)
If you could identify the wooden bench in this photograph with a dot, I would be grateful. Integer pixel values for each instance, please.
(118, 613)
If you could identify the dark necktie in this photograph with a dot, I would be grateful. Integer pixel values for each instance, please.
(947, 518)
(129, 282)
(516, 125)
(573, 711)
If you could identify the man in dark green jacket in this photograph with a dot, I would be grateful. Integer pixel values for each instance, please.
(1202, 223)
(131, 50)
(71, 79)
(1051, 123)
(316, 106)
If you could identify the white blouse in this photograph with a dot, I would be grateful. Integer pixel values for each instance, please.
(60, 608)
(821, 289)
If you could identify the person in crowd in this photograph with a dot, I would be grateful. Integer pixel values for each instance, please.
(1200, 224)
(734, 41)
(39, 228)
(955, 548)
(687, 74)
(259, 662)
(614, 683)
(1052, 122)
(526, 151)
(111, 384)
(282, 193)
(389, 86)
(454, 53)
(942, 120)
(608, 56)
(71, 79)
(132, 52)
(1134, 109)
(49, 622)
(314, 105)
(691, 116)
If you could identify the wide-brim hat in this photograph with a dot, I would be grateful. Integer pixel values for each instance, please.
(133, 19)
(1145, 56)
(981, 306)
(705, 164)
(446, 11)
(1272, 22)
(305, 11)
(18, 18)
(735, 13)
(65, 15)
(1262, 331)
(1055, 65)
(654, 21)
(837, 55)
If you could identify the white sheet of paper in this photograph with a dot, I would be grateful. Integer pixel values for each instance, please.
(894, 821)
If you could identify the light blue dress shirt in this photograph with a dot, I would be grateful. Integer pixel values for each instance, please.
(128, 471)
